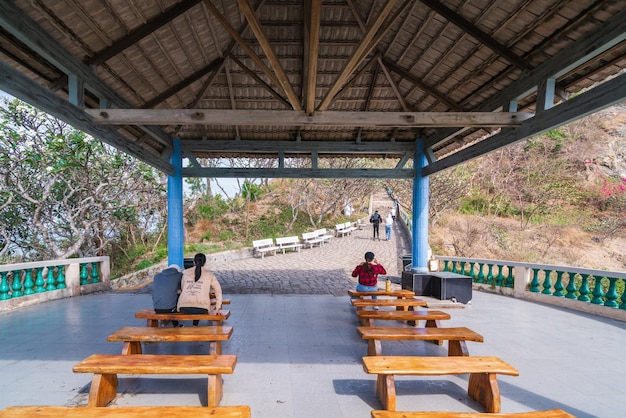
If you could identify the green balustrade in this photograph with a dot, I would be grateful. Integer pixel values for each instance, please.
(510, 278)
(95, 277)
(28, 283)
(84, 277)
(490, 275)
(481, 275)
(499, 277)
(4, 286)
(40, 284)
(558, 285)
(611, 294)
(584, 288)
(547, 283)
(472, 270)
(16, 286)
(534, 283)
(454, 270)
(50, 280)
(598, 293)
(623, 304)
(61, 278)
(463, 267)
(445, 265)
(571, 287)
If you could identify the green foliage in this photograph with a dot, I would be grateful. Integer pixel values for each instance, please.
(143, 264)
(201, 248)
(227, 235)
(213, 207)
(251, 191)
(206, 236)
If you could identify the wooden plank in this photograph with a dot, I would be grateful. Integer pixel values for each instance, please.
(242, 411)
(156, 364)
(210, 333)
(300, 118)
(404, 303)
(436, 366)
(456, 337)
(393, 293)
(432, 315)
(179, 316)
(132, 337)
(551, 413)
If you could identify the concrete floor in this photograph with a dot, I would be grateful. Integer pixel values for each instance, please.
(300, 356)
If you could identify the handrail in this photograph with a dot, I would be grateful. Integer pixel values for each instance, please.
(23, 284)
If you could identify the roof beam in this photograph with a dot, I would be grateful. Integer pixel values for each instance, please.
(588, 47)
(216, 66)
(478, 34)
(312, 43)
(594, 100)
(260, 81)
(318, 173)
(141, 32)
(258, 31)
(358, 56)
(295, 147)
(243, 44)
(18, 85)
(291, 118)
(14, 21)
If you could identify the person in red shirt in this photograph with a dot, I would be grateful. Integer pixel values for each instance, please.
(368, 272)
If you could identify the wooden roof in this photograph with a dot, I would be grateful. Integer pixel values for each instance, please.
(314, 79)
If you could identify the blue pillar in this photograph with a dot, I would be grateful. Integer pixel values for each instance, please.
(175, 231)
(420, 212)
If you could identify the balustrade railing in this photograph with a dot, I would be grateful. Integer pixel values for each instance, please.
(43, 278)
(597, 287)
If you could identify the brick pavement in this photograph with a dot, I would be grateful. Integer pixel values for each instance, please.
(318, 270)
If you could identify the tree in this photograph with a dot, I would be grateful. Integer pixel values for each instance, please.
(66, 194)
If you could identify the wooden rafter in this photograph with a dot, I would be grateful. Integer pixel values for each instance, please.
(260, 81)
(242, 43)
(258, 31)
(312, 43)
(357, 56)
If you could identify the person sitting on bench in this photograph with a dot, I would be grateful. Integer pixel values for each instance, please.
(165, 290)
(197, 282)
(368, 272)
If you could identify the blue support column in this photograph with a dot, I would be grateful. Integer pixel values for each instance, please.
(420, 212)
(175, 231)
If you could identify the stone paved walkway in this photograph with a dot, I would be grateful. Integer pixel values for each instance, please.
(318, 270)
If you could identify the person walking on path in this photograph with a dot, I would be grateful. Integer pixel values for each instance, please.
(368, 272)
(165, 290)
(197, 283)
(375, 220)
(388, 226)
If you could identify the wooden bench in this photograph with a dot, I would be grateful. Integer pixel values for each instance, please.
(132, 337)
(263, 246)
(550, 413)
(106, 367)
(482, 387)
(399, 294)
(285, 243)
(152, 318)
(242, 411)
(400, 304)
(431, 317)
(456, 337)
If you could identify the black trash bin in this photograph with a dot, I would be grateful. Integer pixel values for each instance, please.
(407, 259)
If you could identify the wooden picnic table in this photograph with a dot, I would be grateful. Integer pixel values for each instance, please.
(132, 337)
(152, 318)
